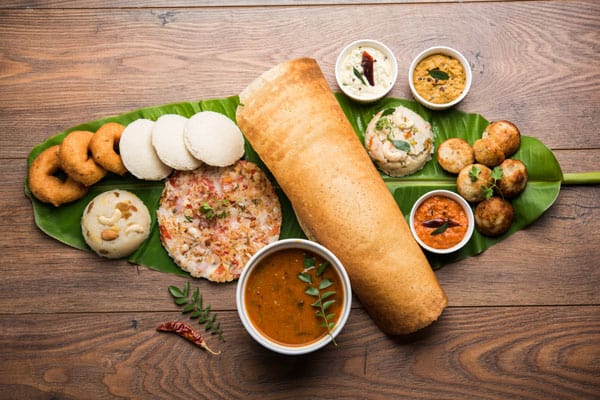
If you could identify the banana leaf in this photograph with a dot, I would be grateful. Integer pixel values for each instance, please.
(545, 176)
(543, 187)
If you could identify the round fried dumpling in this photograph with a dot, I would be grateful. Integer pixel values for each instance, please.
(399, 141)
(454, 154)
(488, 152)
(514, 178)
(506, 134)
(494, 217)
(473, 181)
(115, 223)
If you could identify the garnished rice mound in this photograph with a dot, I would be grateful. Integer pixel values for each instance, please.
(212, 220)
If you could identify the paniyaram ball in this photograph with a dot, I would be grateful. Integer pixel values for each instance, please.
(214, 139)
(454, 154)
(167, 139)
(139, 155)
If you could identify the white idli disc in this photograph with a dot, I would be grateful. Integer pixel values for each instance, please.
(138, 154)
(167, 139)
(213, 138)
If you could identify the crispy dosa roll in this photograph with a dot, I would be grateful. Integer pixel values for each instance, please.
(293, 121)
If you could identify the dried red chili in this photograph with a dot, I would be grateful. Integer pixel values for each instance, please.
(367, 65)
(185, 331)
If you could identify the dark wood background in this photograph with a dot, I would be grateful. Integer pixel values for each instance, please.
(524, 317)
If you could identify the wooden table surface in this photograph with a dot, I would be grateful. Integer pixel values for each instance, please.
(523, 320)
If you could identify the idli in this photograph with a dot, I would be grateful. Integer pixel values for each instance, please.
(213, 138)
(138, 154)
(167, 139)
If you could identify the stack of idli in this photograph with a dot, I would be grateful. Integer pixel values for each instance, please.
(151, 150)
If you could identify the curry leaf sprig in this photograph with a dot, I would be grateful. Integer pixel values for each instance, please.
(193, 304)
(315, 290)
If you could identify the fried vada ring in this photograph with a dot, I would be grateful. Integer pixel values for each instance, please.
(104, 145)
(75, 159)
(48, 188)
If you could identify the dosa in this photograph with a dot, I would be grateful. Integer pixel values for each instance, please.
(293, 121)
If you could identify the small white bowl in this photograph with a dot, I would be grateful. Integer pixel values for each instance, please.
(449, 52)
(341, 70)
(255, 260)
(463, 203)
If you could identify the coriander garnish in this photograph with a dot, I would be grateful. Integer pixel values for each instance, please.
(488, 191)
(193, 304)
(219, 210)
(314, 290)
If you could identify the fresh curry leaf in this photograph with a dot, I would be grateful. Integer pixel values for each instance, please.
(322, 267)
(305, 277)
(358, 75)
(401, 145)
(440, 230)
(324, 284)
(193, 306)
(175, 292)
(438, 74)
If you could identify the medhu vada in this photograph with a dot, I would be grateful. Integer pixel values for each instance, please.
(104, 147)
(47, 187)
(76, 161)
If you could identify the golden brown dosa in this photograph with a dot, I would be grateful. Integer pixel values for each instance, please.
(295, 124)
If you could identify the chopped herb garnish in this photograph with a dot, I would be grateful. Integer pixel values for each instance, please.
(474, 173)
(383, 123)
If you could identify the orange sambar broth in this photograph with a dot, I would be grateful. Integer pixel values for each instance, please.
(441, 207)
(276, 303)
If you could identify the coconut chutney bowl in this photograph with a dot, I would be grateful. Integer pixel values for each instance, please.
(366, 70)
(439, 77)
(294, 296)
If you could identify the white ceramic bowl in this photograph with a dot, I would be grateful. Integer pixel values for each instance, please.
(449, 52)
(292, 244)
(466, 207)
(366, 97)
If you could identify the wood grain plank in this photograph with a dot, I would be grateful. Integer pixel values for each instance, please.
(112, 61)
(471, 353)
(96, 4)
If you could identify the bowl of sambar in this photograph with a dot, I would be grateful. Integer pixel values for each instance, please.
(294, 296)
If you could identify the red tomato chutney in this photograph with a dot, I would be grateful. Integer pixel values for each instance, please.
(277, 304)
(440, 222)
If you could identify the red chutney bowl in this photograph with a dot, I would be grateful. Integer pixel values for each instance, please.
(442, 221)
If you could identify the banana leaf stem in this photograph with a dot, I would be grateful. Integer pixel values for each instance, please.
(581, 178)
